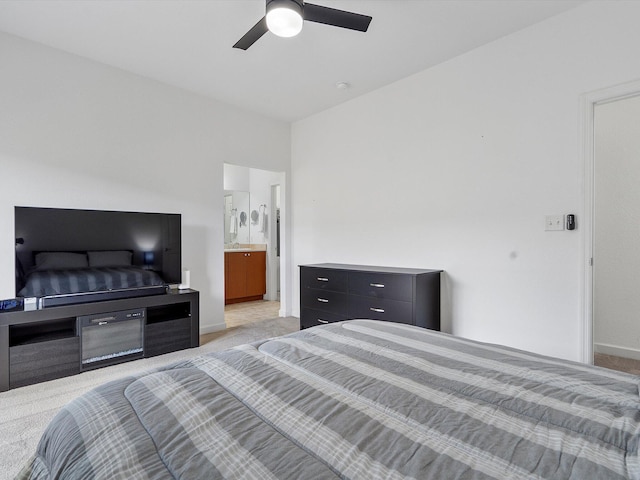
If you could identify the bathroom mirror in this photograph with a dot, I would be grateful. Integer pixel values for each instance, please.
(236, 231)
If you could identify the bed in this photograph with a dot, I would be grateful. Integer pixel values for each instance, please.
(65, 281)
(359, 399)
(60, 273)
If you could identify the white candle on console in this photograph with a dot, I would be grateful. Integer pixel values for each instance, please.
(186, 280)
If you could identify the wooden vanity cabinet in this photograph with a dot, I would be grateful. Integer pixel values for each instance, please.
(245, 276)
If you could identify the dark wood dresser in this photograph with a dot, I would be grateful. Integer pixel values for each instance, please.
(332, 292)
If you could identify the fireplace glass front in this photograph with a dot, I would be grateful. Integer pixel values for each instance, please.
(110, 338)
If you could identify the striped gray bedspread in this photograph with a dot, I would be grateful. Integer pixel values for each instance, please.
(59, 282)
(359, 400)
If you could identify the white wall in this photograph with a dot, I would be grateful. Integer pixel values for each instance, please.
(456, 168)
(236, 178)
(616, 329)
(261, 182)
(79, 134)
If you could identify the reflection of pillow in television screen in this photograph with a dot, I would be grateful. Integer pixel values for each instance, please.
(116, 258)
(60, 260)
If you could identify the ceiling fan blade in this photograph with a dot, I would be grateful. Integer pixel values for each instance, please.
(337, 18)
(252, 36)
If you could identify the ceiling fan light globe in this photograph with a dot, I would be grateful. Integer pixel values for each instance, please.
(284, 22)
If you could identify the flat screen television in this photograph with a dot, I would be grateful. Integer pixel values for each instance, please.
(55, 239)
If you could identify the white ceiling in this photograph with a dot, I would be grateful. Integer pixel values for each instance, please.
(187, 43)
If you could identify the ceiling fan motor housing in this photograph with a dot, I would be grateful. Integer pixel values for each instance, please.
(284, 17)
(297, 5)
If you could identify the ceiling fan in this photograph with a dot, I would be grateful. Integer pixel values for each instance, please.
(284, 18)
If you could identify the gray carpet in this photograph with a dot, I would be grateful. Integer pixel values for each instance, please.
(26, 411)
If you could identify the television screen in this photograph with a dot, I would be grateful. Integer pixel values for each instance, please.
(52, 239)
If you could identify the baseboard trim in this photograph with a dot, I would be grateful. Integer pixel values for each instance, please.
(212, 328)
(616, 350)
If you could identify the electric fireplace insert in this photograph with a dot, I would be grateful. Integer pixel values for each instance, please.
(109, 338)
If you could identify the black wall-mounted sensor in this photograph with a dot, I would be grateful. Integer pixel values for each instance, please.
(571, 222)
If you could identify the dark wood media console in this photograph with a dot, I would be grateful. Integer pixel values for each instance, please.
(41, 345)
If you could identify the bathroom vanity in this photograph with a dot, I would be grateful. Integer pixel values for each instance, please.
(245, 275)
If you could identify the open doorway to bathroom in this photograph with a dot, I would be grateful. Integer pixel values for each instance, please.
(253, 201)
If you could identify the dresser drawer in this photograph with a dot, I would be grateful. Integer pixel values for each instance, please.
(381, 309)
(323, 279)
(311, 318)
(324, 300)
(381, 285)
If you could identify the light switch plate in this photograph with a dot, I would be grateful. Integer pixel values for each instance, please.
(553, 222)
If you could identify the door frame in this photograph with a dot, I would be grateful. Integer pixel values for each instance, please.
(274, 263)
(588, 102)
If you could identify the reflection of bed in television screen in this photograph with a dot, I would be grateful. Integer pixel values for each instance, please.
(65, 254)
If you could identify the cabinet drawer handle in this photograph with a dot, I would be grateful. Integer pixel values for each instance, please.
(323, 300)
(322, 321)
(377, 310)
(322, 279)
(377, 285)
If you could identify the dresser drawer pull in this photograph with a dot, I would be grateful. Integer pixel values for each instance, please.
(377, 285)
(323, 300)
(322, 321)
(377, 310)
(322, 279)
